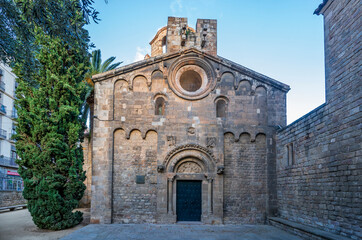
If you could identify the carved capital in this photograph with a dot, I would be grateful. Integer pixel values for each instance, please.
(171, 179)
(220, 169)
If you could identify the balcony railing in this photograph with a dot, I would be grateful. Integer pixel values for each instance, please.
(14, 114)
(2, 109)
(8, 161)
(11, 184)
(2, 86)
(3, 133)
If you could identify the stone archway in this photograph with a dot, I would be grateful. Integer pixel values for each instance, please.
(193, 163)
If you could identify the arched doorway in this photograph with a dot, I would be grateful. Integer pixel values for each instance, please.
(193, 186)
(190, 172)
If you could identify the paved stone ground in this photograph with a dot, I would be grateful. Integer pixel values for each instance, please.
(178, 231)
(18, 225)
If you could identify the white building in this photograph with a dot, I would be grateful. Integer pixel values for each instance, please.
(8, 115)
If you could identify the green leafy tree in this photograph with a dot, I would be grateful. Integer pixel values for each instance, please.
(49, 102)
(18, 18)
(96, 67)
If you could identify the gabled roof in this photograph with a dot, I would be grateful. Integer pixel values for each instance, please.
(223, 61)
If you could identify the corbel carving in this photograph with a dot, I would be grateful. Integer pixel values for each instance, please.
(220, 169)
(171, 140)
(160, 168)
(211, 142)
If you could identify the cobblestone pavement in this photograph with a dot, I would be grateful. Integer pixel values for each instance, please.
(178, 231)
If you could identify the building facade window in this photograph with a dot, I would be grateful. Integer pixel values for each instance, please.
(160, 106)
(290, 154)
(164, 45)
(221, 108)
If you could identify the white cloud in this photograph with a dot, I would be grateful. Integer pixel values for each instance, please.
(140, 53)
(176, 6)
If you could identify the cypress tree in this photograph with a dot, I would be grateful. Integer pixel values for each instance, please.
(50, 128)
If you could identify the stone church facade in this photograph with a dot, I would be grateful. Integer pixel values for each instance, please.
(185, 129)
(186, 135)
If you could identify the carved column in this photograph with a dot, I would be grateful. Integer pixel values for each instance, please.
(209, 192)
(170, 194)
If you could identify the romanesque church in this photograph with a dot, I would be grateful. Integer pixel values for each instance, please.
(187, 135)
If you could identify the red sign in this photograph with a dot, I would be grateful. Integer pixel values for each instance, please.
(13, 173)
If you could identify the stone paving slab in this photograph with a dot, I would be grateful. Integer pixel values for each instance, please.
(178, 231)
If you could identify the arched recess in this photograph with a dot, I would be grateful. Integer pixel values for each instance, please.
(221, 106)
(119, 99)
(158, 82)
(260, 139)
(140, 84)
(190, 150)
(227, 80)
(244, 88)
(244, 137)
(260, 91)
(261, 104)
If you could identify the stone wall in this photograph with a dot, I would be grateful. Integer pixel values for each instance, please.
(134, 202)
(319, 179)
(206, 29)
(245, 179)
(157, 42)
(11, 198)
(133, 138)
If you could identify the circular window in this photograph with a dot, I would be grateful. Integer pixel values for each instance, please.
(191, 77)
(191, 81)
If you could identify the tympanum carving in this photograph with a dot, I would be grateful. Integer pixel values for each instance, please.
(189, 167)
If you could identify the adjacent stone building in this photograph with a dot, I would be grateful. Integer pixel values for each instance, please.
(185, 135)
(319, 163)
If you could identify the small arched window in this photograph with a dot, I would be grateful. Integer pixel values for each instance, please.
(164, 44)
(160, 106)
(221, 108)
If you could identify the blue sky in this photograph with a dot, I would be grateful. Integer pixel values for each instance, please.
(278, 38)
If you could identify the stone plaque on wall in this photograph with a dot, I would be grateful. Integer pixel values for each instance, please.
(140, 179)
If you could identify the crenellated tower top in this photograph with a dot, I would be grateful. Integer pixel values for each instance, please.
(177, 35)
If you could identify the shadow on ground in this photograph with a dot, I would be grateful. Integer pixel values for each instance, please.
(178, 231)
(18, 225)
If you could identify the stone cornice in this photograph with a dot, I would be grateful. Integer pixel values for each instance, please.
(222, 61)
(322, 7)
